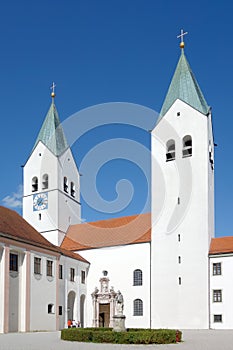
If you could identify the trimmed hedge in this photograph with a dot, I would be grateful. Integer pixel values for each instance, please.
(132, 336)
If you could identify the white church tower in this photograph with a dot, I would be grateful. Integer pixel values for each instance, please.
(182, 204)
(51, 199)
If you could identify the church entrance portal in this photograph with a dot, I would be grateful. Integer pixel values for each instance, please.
(104, 315)
(103, 303)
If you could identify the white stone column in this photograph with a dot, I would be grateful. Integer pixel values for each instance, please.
(97, 313)
(24, 294)
(94, 311)
(2, 290)
(6, 257)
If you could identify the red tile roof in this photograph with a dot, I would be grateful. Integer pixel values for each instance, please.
(13, 226)
(106, 233)
(221, 245)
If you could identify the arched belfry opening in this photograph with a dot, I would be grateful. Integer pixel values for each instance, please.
(104, 303)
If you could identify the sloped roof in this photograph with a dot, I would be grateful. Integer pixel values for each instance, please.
(221, 245)
(105, 233)
(13, 226)
(51, 133)
(184, 87)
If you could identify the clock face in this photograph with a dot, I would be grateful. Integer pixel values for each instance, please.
(40, 201)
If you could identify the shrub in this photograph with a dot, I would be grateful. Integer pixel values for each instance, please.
(132, 336)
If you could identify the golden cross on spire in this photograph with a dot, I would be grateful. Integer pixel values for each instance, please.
(53, 90)
(181, 36)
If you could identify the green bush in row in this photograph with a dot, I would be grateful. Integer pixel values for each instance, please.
(132, 336)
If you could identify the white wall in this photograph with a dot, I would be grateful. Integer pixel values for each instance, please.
(63, 210)
(120, 262)
(43, 292)
(66, 286)
(223, 282)
(185, 305)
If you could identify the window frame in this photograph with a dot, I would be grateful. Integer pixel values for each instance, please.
(83, 276)
(217, 295)
(14, 262)
(137, 277)
(137, 307)
(49, 268)
(217, 269)
(217, 318)
(72, 274)
(37, 265)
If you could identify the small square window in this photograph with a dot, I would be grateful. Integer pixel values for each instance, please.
(178, 114)
(217, 318)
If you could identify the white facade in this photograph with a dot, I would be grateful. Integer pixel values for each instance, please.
(182, 220)
(221, 288)
(121, 262)
(62, 209)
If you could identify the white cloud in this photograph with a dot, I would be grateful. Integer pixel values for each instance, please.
(15, 199)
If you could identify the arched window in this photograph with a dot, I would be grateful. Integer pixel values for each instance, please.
(187, 146)
(72, 189)
(138, 307)
(34, 184)
(171, 150)
(65, 184)
(45, 181)
(137, 277)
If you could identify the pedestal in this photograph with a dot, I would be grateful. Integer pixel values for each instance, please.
(119, 323)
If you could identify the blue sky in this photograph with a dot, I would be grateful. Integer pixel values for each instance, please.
(110, 51)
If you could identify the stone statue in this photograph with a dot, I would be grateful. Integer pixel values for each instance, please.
(119, 303)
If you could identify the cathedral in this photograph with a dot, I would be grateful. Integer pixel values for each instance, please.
(167, 264)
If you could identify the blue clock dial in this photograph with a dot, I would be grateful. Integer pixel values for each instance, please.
(40, 201)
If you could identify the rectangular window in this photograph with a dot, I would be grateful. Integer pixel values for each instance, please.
(60, 272)
(217, 269)
(49, 268)
(60, 310)
(72, 273)
(37, 266)
(217, 295)
(13, 262)
(83, 277)
(217, 318)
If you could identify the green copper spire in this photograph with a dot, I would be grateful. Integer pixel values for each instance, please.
(51, 133)
(184, 87)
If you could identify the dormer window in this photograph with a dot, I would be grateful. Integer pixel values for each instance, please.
(34, 184)
(45, 181)
(171, 150)
(72, 189)
(65, 184)
(187, 146)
